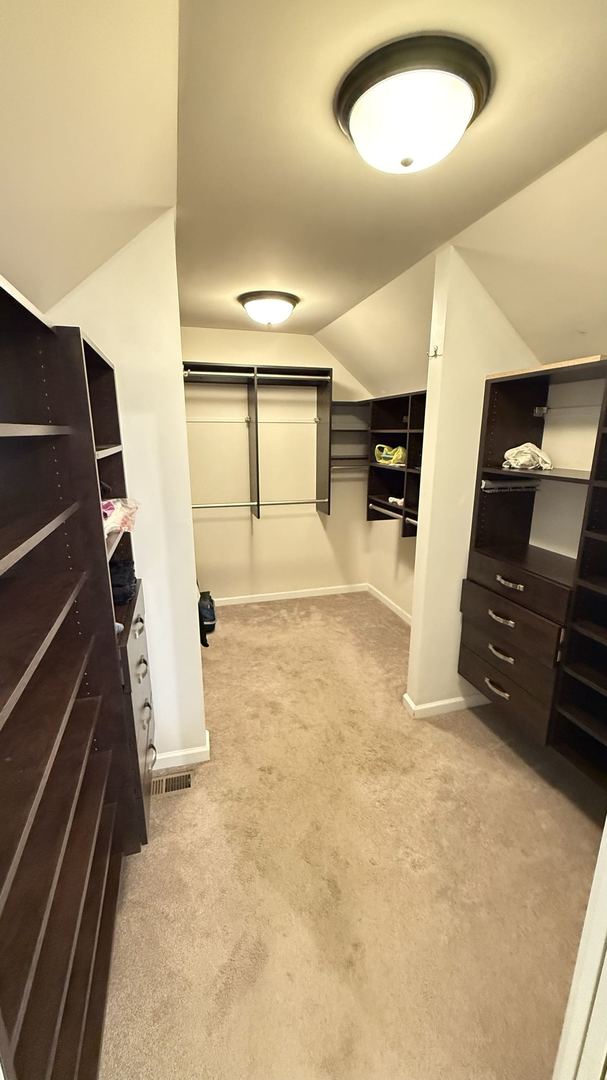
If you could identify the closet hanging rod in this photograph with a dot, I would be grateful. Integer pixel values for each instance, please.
(411, 521)
(211, 376)
(247, 420)
(277, 502)
(381, 510)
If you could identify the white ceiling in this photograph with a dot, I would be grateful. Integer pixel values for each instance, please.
(88, 130)
(272, 195)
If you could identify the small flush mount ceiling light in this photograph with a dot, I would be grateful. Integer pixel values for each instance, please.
(407, 105)
(269, 308)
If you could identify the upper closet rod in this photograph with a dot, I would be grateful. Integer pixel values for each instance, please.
(276, 502)
(210, 376)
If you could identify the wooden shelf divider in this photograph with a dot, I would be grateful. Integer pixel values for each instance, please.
(71, 1034)
(30, 617)
(26, 911)
(36, 1040)
(18, 538)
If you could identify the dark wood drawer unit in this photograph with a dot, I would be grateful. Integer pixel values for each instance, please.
(138, 703)
(528, 713)
(534, 633)
(514, 662)
(510, 625)
(518, 581)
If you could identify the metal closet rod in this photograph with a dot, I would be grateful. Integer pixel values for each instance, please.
(382, 510)
(274, 502)
(210, 376)
(247, 420)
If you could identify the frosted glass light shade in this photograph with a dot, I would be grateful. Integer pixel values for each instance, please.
(411, 120)
(407, 104)
(268, 308)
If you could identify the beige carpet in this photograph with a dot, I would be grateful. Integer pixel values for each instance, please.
(348, 893)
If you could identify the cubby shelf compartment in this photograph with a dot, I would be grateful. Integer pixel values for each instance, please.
(111, 543)
(30, 740)
(26, 911)
(27, 431)
(30, 617)
(583, 762)
(93, 1027)
(572, 476)
(72, 1024)
(107, 451)
(37, 1038)
(20, 537)
(586, 721)
(595, 584)
(586, 674)
(591, 630)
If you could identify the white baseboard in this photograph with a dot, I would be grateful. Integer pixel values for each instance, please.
(190, 755)
(402, 614)
(295, 594)
(435, 708)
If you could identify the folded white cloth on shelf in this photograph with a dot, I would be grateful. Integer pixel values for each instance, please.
(526, 456)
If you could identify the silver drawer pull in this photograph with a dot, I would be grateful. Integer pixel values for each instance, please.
(496, 689)
(155, 752)
(500, 655)
(141, 668)
(146, 710)
(509, 584)
(138, 626)
(500, 619)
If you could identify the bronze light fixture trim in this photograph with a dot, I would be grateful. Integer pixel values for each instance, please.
(407, 104)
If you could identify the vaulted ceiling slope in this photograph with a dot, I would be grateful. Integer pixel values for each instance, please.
(272, 195)
(540, 255)
(88, 130)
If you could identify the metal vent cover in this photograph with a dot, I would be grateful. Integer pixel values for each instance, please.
(166, 785)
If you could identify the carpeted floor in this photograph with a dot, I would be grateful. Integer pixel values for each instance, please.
(346, 893)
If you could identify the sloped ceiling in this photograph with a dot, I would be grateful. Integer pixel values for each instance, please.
(541, 256)
(88, 130)
(272, 195)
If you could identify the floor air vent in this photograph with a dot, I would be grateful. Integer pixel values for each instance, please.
(165, 785)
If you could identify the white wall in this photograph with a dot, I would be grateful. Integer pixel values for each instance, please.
(473, 339)
(129, 308)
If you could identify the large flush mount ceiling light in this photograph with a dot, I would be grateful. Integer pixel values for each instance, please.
(269, 308)
(407, 105)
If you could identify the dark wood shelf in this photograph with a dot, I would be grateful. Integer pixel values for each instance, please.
(27, 431)
(389, 431)
(20, 537)
(112, 541)
(91, 1042)
(39, 1031)
(536, 560)
(586, 721)
(581, 762)
(107, 451)
(349, 457)
(572, 476)
(381, 501)
(588, 675)
(29, 620)
(595, 583)
(350, 430)
(27, 907)
(590, 534)
(72, 1025)
(590, 630)
(31, 738)
(392, 468)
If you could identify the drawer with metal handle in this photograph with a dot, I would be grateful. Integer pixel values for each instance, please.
(510, 626)
(528, 714)
(511, 659)
(546, 597)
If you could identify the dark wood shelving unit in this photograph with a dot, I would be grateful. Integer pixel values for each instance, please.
(69, 762)
(538, 594)
(402, 415)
